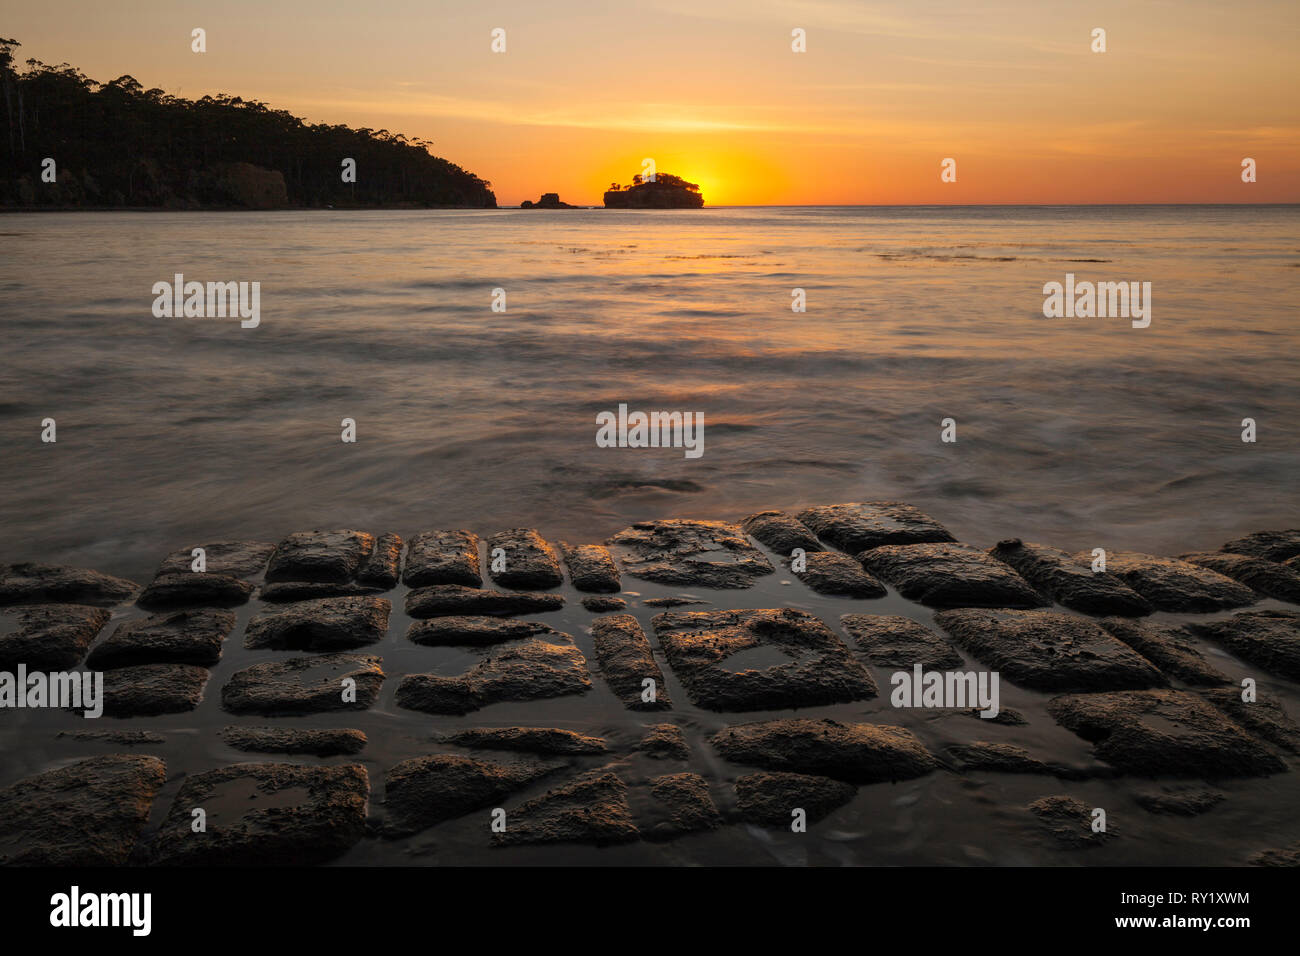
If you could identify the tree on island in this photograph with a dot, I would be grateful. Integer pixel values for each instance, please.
(665, 191)
(119, 144)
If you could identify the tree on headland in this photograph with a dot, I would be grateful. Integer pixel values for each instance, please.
(120, 144)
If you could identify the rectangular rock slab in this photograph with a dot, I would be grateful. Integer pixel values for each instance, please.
(950, 575)
(1269, 545)
(443, 557)
(239, 559)
(191, 589)
(182, 637)
(1163, 733)
(1049, 650)
(425, 791)
(828, 572)
(48, 637)
(87, 814)
(626, 660)
(454, 600)
(821, 669)
(682, 804)
(591, 809)
(706, 554)
(591, 567)
(768, 798)
(534, 669)
(1268, 578)
(1173, 585)
(892, 641)
(1169, 647)
(854, 753)
(780, 532)
(328, 557)
(303, 685)
(862, 525)
(147, 690)
(471, 631)
(383, 568)
(32, 583)
(326, 624)
(265, 814)
(531, 564)
(1268, 639)
(1055, 574)
(290, 740)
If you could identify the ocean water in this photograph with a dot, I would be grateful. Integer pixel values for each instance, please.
(1074, 432)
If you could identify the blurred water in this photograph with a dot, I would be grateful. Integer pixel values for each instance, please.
(1074, 432)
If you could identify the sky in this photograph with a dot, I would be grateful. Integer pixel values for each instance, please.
(712, 91)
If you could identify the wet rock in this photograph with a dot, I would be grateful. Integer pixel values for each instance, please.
(30, 583)
(591, 567)
(1268, 639)
(709, 554)
(860, 526)
(591, 809)
(781, 532)
(603, 605)
(1048, 650)
(626, 660)
(685, 799)
(470, 631)
(1173, 585)
(950, 575)
(1163, 733)
(129, 738)
(1278, 856)
(1269, 545)
(147, 690)
(1265, 577)
(854, 753)
(1069, 822)
(425, 791)
(381, 568)
(769, 799)
(1006, 716)
(537, 740)
(671, 602)
(1181, 802)
(892, 641)
(48, 637)
(530, 562)
(1006, 758)
(444, 600)
(303, 685)
(531, 670)
(318, 743)
(1265, 719)
(821, 669)
(239, 559)
(443, 557)
(838, 574)
(182, 637)
(189, 589)
(326, 624)
(265, 814)
(1056, 575)
(87, 814)
(326, 557)
(664, 742)
(1169, 647)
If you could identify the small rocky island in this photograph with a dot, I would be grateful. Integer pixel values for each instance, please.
(548, 201)
(664, 191)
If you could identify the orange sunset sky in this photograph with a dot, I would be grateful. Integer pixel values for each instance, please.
(711, 90)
